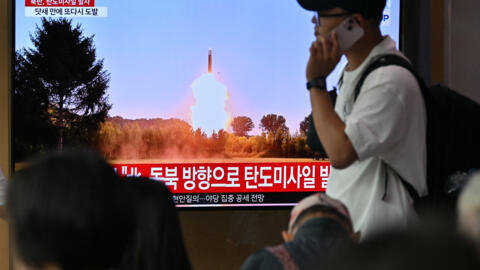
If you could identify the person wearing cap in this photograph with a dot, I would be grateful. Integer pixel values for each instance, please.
(318, 226)
(374, 141)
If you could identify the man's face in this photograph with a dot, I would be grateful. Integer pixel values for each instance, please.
(325, 21)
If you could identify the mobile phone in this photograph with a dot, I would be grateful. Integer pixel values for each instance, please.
(348, 32)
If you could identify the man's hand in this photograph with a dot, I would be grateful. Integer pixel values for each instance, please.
(324, 56)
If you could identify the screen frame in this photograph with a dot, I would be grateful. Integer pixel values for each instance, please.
(11, 83)
(403, 11)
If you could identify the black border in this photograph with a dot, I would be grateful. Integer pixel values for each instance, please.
(12, 81)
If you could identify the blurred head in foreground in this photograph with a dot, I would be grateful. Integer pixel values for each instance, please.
(69, 211)
(469, 210)
(319, 227)
(319, 206)
(419, 249)
(158, 241)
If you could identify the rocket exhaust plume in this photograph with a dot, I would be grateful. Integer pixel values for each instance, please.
(209, 112)
(209, 60)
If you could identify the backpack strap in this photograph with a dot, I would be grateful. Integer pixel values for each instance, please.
(409, 187)
(284, 257)
(389, 60)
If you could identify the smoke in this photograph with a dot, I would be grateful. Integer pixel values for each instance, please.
(209, 112)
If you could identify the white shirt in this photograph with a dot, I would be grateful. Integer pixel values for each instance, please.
(387, 122)
(3, 189)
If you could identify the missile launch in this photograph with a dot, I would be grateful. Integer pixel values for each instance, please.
(209, 111)
(209, 60)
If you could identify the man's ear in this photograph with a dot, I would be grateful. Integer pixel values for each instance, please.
(360, 20)
(287, 236)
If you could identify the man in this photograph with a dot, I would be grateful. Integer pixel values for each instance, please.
(373, 141)
(319, 225)
(469, 210)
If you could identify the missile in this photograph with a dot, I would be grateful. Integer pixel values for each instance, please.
(209, 60)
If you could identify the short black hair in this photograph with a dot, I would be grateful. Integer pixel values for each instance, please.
(158, 236)
(70, 209)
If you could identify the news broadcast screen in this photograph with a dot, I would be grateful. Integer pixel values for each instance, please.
(207, 96)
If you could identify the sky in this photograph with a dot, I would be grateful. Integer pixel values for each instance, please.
(155, 49)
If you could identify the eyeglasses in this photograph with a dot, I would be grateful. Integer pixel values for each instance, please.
(318, 15)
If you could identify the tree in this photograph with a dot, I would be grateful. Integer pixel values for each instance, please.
(304, 126)
(241, 125)
(31, 113)
(69, 76)
(273, 123)
(220, 142)
(110, 139)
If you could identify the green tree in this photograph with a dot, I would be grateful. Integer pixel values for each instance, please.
(68, 76)
(110, 139)
(273, 123)
(241, 125)
(220, 142)
(304, 126)
(32, 123)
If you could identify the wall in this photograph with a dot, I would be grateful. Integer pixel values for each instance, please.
(416, 35)
(222, 239)
(5, 46)
(462, 40)
(436, 43)
(423, 37)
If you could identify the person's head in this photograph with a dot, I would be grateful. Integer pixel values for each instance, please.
(330, 13)
(469, 210)
(319, 205)
(419, 249)
(69, 211)
(158, 237)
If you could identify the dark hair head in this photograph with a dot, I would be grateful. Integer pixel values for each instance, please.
(158, 241)
(69, 209)
(420, 249)
(371, 10)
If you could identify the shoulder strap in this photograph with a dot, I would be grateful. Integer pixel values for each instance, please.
(387, 60)
(409, 187)
(284, 257)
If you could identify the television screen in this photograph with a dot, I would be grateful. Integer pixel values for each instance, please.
(207, 96)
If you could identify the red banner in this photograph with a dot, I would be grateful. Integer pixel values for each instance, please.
(60, 3)
(234, 177)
